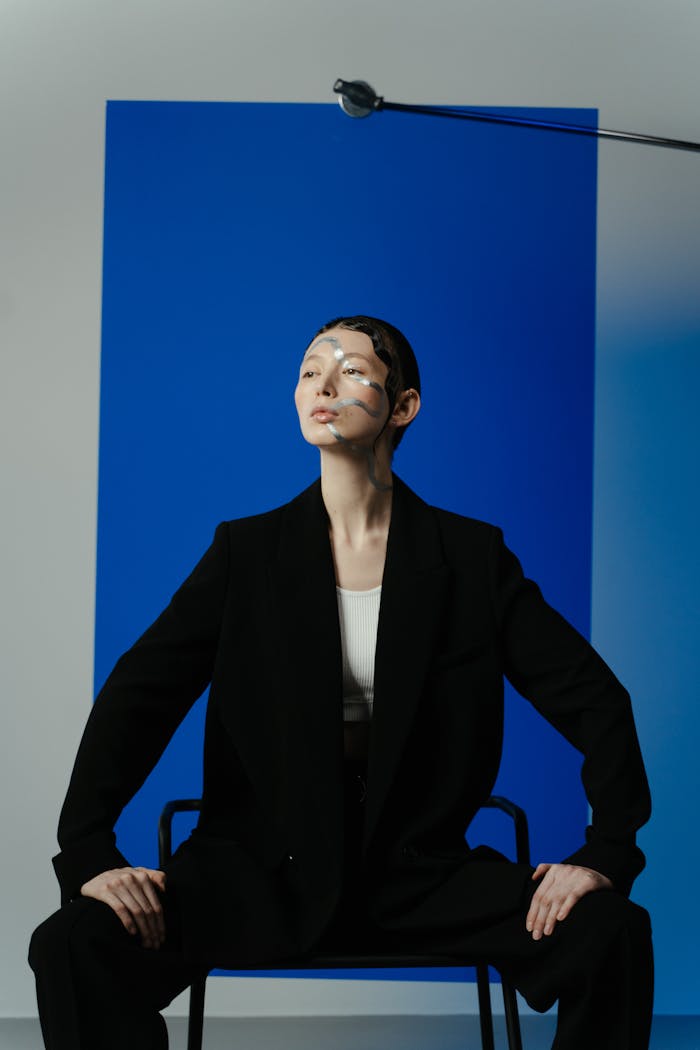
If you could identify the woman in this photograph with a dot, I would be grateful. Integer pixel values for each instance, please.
(356, 641)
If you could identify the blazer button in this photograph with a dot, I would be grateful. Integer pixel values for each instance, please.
(290, 858)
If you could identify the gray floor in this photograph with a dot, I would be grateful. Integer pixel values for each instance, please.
(363, 1033)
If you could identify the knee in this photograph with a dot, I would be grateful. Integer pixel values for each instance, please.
(75, 924)
(613, 912)
(46, 939)
(606, 918)
(637, 920)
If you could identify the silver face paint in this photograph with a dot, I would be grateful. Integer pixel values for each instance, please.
(339, 355)
(366, 452)
(339, 437)
(360, 404)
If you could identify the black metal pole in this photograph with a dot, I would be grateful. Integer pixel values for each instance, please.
(358, 99)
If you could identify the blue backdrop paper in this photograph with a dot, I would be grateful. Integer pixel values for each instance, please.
(232, 231)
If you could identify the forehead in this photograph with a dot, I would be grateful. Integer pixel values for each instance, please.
(349, 342)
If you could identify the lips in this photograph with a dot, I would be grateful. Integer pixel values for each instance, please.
(323, 415)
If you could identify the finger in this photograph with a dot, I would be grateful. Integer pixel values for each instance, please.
(135, 906)
(544, 900)
(126, 889)
(120, 909)
(134, 898)
(539, 921)
(158, 880)
(536, 917)
(130, 893)
(155, 874)
(156, 918)
(551, 918)
(539, 897)
(566, 906)
(535, 905)
(532, 914)
(540, 870)
(146, 897)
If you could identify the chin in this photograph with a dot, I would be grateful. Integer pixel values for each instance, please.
(318, 438)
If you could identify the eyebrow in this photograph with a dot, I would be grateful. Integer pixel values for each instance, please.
(363, 357)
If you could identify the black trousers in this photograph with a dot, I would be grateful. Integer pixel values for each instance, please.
(97, 989)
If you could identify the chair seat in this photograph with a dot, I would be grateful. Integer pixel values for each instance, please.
(360, 961)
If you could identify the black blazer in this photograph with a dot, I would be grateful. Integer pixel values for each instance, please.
(258, 618)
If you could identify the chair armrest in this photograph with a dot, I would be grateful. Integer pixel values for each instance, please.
(165, 824)
(519, 818)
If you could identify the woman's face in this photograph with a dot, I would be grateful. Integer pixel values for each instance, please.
(340, 395)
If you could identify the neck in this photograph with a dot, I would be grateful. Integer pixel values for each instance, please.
(354, 504)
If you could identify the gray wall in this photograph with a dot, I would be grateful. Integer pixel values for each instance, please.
(634, 59)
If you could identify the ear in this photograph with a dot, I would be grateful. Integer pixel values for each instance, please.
(406, 408)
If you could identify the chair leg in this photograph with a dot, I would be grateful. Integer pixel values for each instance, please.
(485, 1015)
(195, 1025)
(512, 1016)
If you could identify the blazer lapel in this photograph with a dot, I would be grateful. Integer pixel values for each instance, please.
(310, 714)
(414, 589)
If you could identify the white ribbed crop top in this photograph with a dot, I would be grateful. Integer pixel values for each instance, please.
(358, 612)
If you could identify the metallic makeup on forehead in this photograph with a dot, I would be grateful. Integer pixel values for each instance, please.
(340, 356)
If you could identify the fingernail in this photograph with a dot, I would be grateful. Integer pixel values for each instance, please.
(536, 935)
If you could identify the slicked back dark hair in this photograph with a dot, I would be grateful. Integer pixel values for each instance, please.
(393, 348)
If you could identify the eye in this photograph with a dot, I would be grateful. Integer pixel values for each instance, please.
(307, 374)
(350, 371)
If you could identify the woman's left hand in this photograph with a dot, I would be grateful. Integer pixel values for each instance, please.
(561, 887)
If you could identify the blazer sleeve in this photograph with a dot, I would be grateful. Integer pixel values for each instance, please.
(556, 669)
(149, 692)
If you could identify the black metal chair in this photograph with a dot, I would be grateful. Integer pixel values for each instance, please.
(371, 961)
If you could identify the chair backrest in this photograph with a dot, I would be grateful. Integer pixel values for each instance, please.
(184, 805)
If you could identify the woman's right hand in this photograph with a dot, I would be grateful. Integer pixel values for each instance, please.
(132, 893)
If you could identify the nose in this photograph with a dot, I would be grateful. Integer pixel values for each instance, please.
(324, 386)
